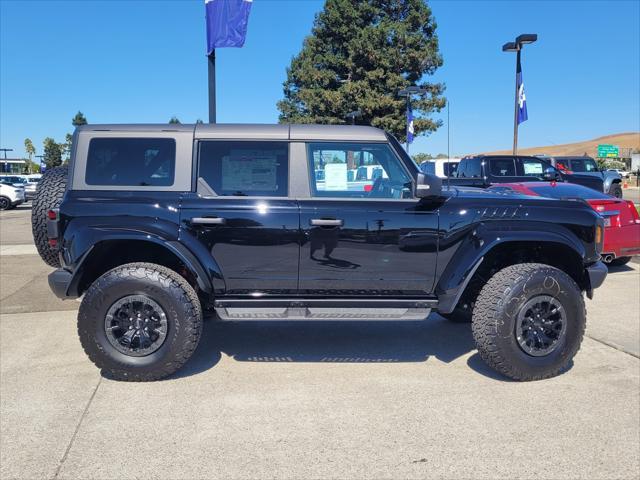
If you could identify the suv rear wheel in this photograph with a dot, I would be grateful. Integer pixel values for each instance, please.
(140, 322)
(528, 321)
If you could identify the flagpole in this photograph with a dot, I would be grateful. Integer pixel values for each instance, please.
(212, 86)
(515, 110)
(407, 122)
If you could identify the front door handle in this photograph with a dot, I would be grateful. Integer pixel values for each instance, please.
(208, 221)
(326, 222)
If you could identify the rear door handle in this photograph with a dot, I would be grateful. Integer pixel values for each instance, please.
(326, 222)
(208, 221)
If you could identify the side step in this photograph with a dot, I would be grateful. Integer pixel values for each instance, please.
(322, 309)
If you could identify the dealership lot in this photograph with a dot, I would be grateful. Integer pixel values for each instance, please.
(331, 400)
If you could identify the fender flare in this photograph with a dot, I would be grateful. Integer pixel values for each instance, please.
(203, 274)
(458, 273)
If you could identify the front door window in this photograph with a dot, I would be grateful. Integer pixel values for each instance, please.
(357, 170)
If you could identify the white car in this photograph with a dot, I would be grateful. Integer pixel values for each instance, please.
(10, 196)
(622, 173)
(442, 167)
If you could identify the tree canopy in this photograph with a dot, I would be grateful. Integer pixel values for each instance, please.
(79, 119)
(357, 57)
(52, 153)
(174, 119)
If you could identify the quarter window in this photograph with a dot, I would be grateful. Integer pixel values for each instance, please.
(245, 168)
(142, 162)
(357, 170)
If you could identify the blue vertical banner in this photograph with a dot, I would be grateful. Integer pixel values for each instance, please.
(522, 99)
(409, 123)
(227, 22)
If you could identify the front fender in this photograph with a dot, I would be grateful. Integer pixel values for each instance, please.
(460, 260)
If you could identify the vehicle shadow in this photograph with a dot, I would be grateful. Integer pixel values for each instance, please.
(620, 269)
(335, 342)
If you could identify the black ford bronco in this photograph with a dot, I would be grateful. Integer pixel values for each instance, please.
(155, 225)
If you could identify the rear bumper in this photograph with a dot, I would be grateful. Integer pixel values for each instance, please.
(597, 273)
(59, 281)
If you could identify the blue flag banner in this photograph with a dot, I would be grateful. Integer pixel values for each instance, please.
(522, 99)
(409, 123)
(226, 23)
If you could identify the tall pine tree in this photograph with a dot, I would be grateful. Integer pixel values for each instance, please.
(359, 54)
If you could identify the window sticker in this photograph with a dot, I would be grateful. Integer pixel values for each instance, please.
(244, 170)
(335, 176)
(533, 168)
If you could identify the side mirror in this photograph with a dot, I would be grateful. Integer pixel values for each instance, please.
(551, 174)
(428, 185)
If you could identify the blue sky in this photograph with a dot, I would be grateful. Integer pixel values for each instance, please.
(144, 61)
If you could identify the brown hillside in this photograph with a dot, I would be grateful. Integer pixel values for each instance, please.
(622, 140)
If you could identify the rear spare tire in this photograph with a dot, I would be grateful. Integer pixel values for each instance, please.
(49, 193)
(528, 321)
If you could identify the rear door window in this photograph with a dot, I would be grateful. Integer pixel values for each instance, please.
(142, 162)
(502, 167)
(245, 168)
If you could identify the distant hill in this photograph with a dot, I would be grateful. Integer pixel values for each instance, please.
(590, 147)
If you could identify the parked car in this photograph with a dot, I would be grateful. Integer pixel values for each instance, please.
(442, 167)
(622, 222)
(611, 180)
(15, 180)
(485, 170)
(151, 226)
(30, 190)
(10, 196)
(622, 173)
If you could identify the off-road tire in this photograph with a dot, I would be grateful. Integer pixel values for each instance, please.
(495, 314)
(615, 190)
(5, 203)
(620, 261)
(171, 291)
(49, 193)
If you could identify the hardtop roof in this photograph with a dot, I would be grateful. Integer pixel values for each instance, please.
(254, 131)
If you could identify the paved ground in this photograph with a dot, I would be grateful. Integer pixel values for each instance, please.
(320, 400)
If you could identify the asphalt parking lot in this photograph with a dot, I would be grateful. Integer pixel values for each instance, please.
(319, 400)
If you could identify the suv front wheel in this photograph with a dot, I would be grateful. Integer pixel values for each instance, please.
(528, 321)
(140, 322)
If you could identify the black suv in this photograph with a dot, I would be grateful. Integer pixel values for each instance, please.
(152, 225)
(485, 170)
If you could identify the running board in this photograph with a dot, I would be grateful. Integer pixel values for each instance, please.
(323, 309)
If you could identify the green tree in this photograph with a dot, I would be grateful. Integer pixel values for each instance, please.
(421, 157)
(174, 119)
(29, 148)
(52, 153)
(358, 56)
(199, 121)
(78, 119)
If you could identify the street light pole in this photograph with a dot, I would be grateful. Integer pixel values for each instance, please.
(517, 47)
